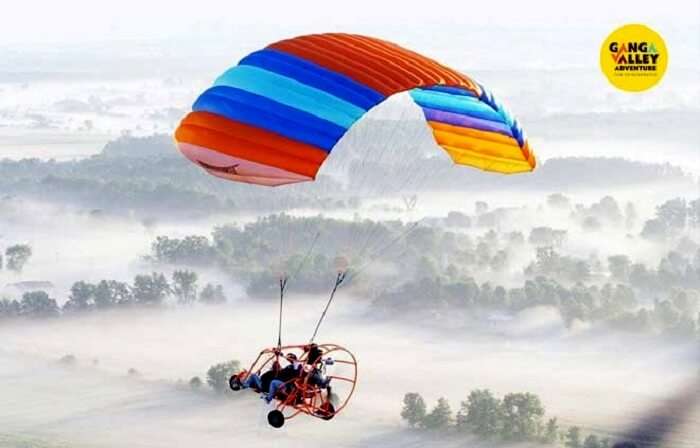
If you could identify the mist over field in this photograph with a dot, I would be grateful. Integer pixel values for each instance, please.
(586, 372)
(81, 404)
(556, 308)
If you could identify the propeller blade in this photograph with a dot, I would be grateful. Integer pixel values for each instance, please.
(654, 430)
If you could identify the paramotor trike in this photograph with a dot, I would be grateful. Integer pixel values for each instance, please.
(305, 394)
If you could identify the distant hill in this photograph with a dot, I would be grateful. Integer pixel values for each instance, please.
(658, 125)
(147, 175)
(158, 145)
(30, 285)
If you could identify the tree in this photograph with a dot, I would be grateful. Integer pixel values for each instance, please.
(481, 207)
(685, 301)
(694, 213)
(9, 308)
(673, 213)
(212, 295)
(195, 383)
(551, 431)
(572, 439)
(641, 277)
(619, 266)
(164, 249)
(516, 239)
(440, 417)
(109, 293)
(426, 268)
(623, 296)
(547, 261)
(481, 414)
(546, 236)
(580, 271)
(185, 286)
(452, 272)
(219, 374)
(558, 201)
(523, 414)
(591, 224)
(38, 304)
(499, 261)
(591, 442)
(191, 249)
(82, 297)
(608, 209)
(17, 256)
(413, 409)
(655, 230)
(665, 314)
(68, 360)
(457, 219)
(150, 289)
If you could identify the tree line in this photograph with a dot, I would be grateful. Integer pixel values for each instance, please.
(614, 305)
(516, 417)
(150, 290)
(436, 266)
(441, 247)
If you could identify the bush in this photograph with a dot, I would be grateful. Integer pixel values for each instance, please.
(440, 417)
(219, 374)
(68, 360)
(481, 414)
(195, 383)
(413, 409)
(212, 295)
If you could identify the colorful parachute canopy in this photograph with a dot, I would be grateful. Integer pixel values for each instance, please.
(275, 117)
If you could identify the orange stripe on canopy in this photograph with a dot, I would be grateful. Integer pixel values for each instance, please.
(381, 65)
(255, 134)
(256, 145)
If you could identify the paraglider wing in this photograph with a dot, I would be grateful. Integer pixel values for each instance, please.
(275, 117)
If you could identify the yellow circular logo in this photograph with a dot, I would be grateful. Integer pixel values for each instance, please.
(634, 58)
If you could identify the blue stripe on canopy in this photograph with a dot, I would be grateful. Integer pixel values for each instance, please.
(451, 90)
(291, 93)
(256, 110)
(466, 121)
(456, 103)
(314, 75)
(516, 130)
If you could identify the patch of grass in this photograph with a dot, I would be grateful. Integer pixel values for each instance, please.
(26, 441)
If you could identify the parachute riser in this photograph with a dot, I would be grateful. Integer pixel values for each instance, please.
(283, 285)
(338, 281)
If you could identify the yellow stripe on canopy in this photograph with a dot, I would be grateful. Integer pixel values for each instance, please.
(464, 156)
(476, 133)
(481, 149)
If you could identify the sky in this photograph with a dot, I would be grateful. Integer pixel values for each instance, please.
(211, 34)
(75, 74)
(85, 20)
(80, 21)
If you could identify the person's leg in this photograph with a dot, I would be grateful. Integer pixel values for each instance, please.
(274, 386)
(253, 380)
(318, 380)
